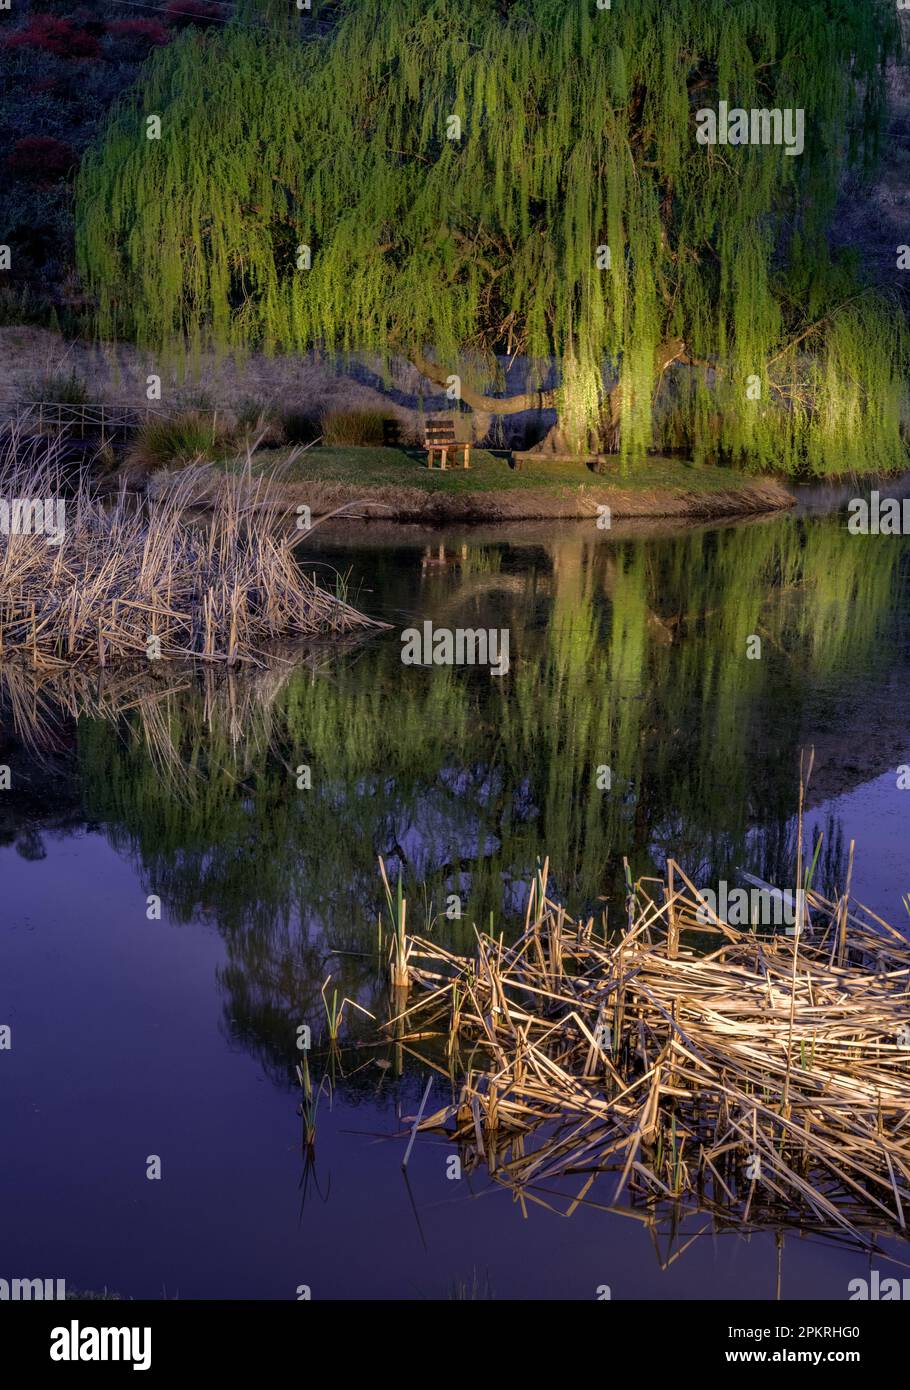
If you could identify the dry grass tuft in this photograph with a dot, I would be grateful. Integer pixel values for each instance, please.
(151, 580)
(353, 427)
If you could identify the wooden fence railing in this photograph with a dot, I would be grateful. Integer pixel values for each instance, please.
(97, 420)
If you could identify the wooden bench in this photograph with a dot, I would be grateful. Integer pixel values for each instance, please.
(440, 439)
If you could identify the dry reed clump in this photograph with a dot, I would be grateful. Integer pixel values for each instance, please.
(353, 427)
(767, 1081)
(148, 581)
(190, 436)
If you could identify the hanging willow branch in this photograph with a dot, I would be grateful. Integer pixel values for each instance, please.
(456, 173)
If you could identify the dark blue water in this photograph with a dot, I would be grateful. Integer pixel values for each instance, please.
(134, 1037)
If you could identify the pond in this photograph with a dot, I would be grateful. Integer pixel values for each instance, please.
(639, 717)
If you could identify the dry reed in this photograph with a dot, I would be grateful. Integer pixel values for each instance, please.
(767, 1080)
(132, 580)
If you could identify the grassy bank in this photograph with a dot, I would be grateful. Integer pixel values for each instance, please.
(396, 485)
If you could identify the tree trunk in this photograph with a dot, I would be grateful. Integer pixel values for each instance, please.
(553, 443)
(667, 352)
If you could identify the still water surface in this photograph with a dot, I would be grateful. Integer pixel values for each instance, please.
(176, 1037)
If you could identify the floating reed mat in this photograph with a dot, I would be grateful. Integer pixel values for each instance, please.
(766, 1077)
(124, 580)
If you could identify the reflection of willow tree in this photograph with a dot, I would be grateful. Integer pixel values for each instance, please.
(221, 827)
(726, 729)
(629, 656)
(702, 743)
(641, 667)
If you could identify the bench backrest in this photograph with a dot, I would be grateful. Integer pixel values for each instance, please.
(440, 432)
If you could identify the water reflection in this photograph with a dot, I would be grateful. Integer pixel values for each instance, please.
(626, 654)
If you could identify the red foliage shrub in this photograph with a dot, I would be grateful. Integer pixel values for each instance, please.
(199, 12)
(41, 158)
(57, 36)
(149, 31)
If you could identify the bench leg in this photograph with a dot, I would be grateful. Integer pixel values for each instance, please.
(443, 452)
(467, 450)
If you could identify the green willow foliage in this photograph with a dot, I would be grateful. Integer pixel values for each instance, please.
(577, 131)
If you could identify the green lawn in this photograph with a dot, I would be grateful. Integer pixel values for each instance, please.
(382, 467)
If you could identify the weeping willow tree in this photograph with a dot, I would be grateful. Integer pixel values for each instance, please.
(464, 185)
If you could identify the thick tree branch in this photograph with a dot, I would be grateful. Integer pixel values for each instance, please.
(496, 405)
(813, 327)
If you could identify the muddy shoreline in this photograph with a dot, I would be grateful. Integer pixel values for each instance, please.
(413, 505)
